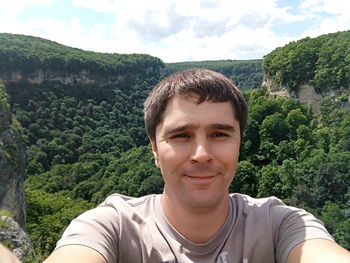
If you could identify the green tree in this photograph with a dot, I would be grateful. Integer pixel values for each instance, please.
(274, 128)
(245, 180)
(48, 216)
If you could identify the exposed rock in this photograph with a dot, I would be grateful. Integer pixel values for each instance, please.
(306, 94)
(280, 91)
(38, 76)
(12, 162)
(13, 236)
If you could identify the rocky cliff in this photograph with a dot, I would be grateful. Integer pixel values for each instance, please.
(13, 237)
(38, 76)
(306, 94)
(12, 162)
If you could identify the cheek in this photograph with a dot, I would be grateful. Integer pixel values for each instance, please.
(228, 157)
(228, 152)
(169, 159)
(175, 153)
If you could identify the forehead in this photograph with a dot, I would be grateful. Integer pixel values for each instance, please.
(180, 109)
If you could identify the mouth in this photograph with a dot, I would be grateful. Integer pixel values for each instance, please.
(200, 179)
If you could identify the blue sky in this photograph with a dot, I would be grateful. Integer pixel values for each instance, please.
(176, 30)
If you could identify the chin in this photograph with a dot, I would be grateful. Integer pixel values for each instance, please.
(203, 199)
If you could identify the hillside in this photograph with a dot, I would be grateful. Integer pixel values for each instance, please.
(85, 136)
(246, 74)
(311, 68)
(35, 59)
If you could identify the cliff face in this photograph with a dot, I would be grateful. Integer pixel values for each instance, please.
(38, 76)
(13, 236)
(306, 94)
(12, 162)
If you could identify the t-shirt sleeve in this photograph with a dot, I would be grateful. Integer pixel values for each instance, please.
(98, 229)
(292, 226)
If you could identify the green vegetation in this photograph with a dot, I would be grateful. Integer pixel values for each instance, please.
(47, 214)
(246, 74)
(86, 141)
(6, 213)
(323, 62)
(26, 54)
(286, 152)
(4, 225)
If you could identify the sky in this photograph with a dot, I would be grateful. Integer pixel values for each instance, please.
(176, 30)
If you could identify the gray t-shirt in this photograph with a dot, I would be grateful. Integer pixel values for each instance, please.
(125, 229)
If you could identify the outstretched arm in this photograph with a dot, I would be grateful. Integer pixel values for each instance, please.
(6, 255)
(75, 254)
(318, 251)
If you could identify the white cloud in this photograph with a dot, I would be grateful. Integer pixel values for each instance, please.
(179, 30)
(182, 30)
(10, 9)
(337, 18)
(330, 6)
(204, 17)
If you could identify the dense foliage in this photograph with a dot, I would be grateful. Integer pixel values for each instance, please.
(63, 122)
(86, 141)
(246, 74)
(323, 62)
(286, 152)
(26, 54)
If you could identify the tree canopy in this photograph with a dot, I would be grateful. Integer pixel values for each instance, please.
(27, 53)
(246, 74)
(323, 62)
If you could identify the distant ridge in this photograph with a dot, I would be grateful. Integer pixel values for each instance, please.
(25, 53)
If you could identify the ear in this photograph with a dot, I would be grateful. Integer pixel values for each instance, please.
(155, 152)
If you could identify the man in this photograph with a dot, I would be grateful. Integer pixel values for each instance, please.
(195, 120)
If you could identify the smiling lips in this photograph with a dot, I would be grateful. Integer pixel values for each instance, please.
(201, 173)
(199, 179)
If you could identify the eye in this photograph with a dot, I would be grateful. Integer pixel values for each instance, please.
(180, 135)
(219, 134)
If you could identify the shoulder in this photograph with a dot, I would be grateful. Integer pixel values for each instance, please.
(287, 225)
(117, 198)
(115, 207)
(123, 203)
(278, 212)
(100, 228)
(249, 204)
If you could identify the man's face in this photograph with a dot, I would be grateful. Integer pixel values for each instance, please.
(197, 148)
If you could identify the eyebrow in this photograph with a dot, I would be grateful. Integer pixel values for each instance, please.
(186, 127)
(220, 126)
(181, 128)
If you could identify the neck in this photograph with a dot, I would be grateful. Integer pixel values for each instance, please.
(197, 225)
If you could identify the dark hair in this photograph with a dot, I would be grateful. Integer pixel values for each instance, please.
(207, 84)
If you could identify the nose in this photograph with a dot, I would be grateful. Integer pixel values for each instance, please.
(201, 152)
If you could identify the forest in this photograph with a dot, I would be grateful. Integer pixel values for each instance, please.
(26, 54)
(246, 74)
(87, 141)
(323, 62)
